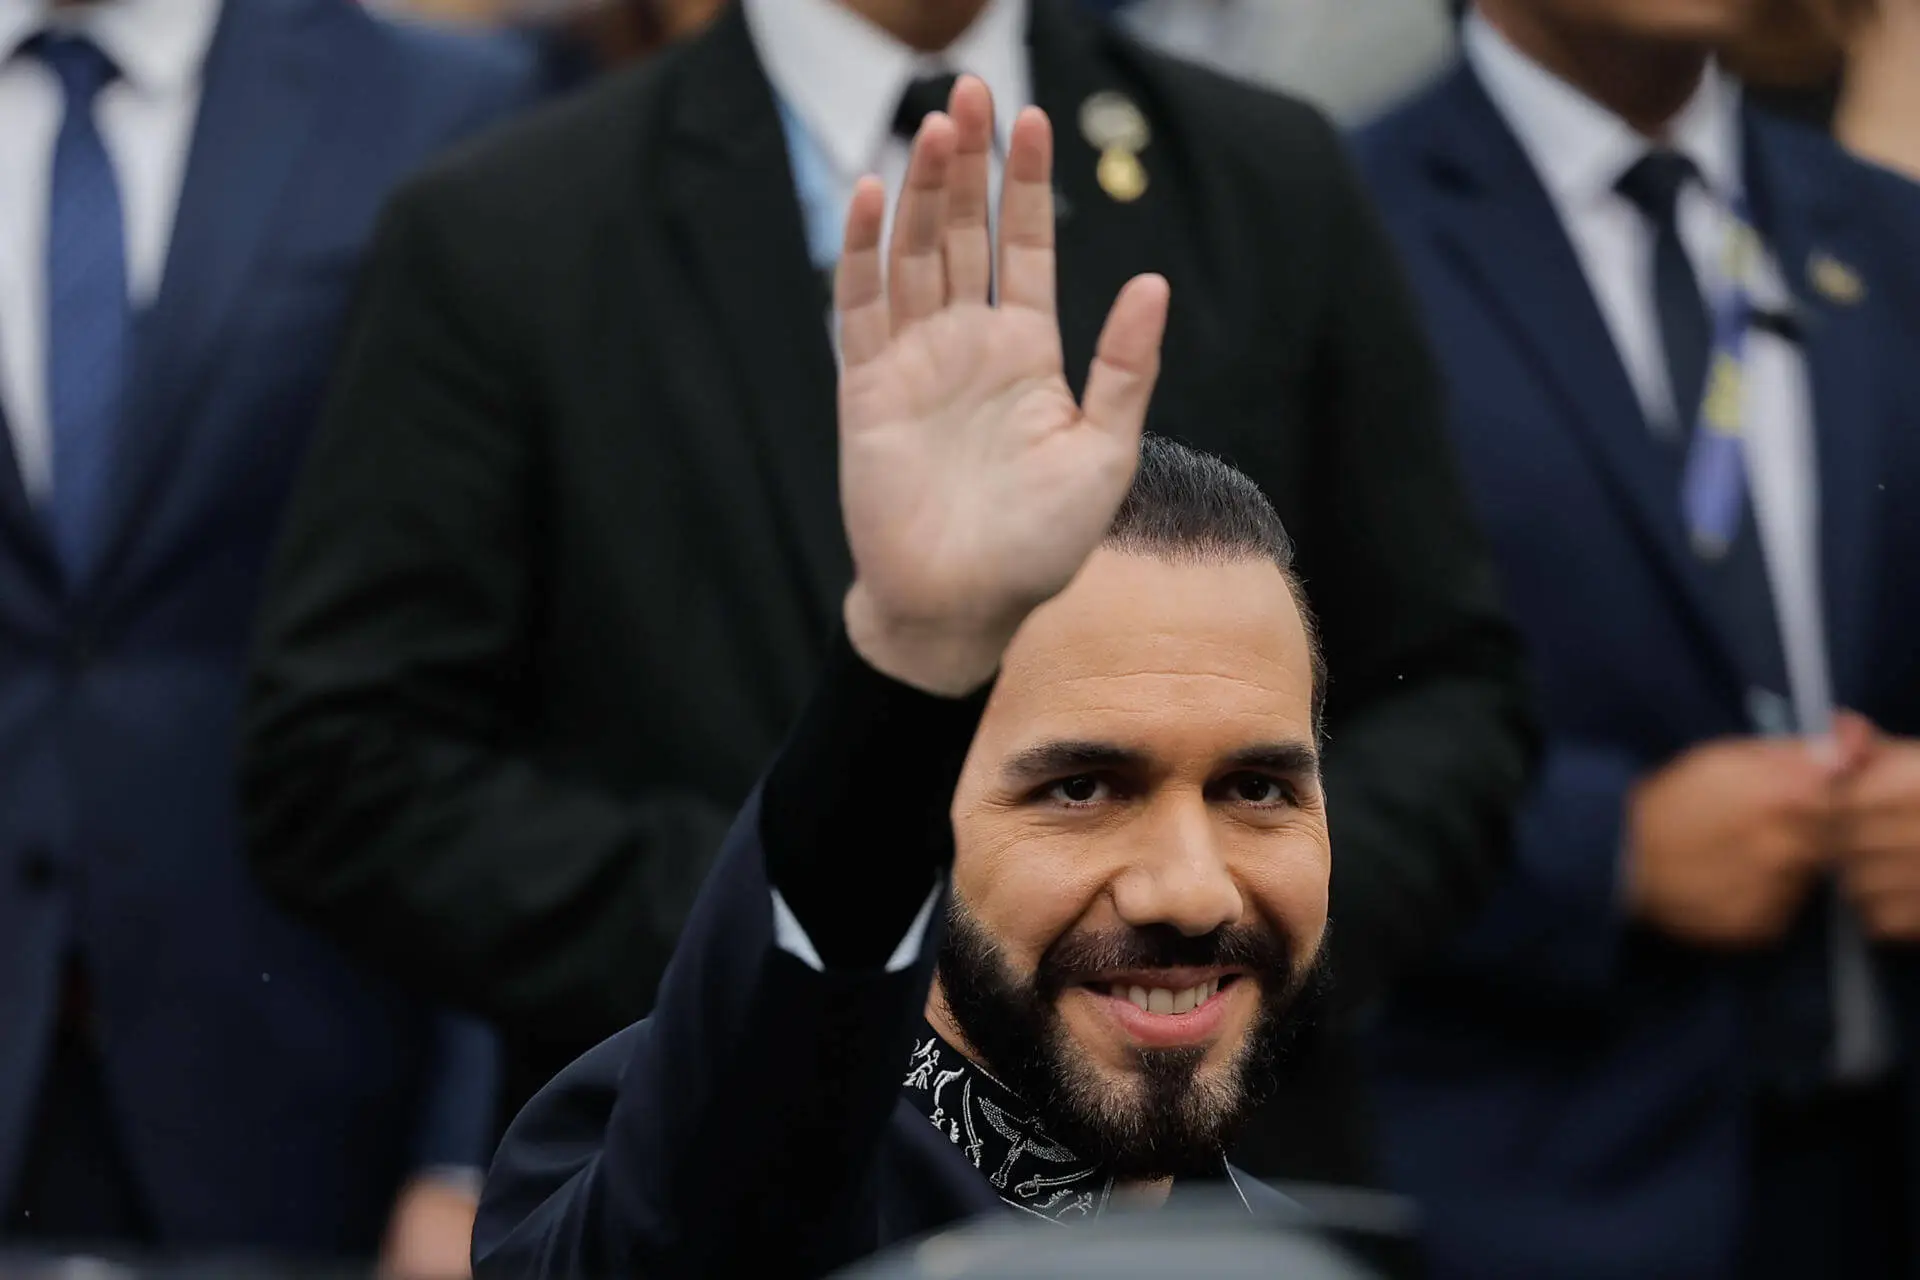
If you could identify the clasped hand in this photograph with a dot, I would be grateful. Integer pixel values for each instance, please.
(1726, 841)
(973, 486)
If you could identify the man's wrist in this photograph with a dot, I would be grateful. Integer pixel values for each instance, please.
(942, 658)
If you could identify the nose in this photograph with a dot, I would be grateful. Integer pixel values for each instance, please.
(1179, 874)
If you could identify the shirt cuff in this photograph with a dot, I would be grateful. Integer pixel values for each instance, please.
(791, 936)
(457, 1177)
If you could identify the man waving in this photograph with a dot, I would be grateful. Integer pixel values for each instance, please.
(1024, 910)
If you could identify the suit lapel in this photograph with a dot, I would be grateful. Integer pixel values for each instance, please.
(736, 209)
(257, 107)
(1802, 205)
(1101, 242)
(1496, 219)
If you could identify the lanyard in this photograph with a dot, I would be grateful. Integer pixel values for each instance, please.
(1714, 486)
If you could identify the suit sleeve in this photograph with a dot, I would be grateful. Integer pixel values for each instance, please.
(1430, 735)
(392, 791)
(461, 1107)
(743, 1121)
(1555, 925)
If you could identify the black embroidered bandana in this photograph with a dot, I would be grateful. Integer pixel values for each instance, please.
(1001, 1137)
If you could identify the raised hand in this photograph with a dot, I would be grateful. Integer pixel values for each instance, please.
(973, 487)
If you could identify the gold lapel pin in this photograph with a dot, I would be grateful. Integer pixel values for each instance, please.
(1115, 127)
(1121, 175)
(1837, 282)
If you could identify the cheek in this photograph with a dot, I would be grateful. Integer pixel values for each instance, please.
(1026, 887)
(1286, 877)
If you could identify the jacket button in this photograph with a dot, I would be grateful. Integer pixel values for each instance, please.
(37, 870)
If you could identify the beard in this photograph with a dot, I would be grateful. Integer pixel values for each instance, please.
(1174, 1117)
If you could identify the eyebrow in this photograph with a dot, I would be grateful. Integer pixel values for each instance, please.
(1067, 757)
(1293, 759)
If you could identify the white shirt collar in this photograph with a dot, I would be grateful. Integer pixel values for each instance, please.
(843, 76)
(1579, 148)
(160, 46)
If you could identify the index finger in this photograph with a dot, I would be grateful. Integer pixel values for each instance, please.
(1026, 215)
(858, 294)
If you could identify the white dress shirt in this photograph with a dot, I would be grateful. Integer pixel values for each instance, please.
(146, 119)
(1581, 150)
(841, 78)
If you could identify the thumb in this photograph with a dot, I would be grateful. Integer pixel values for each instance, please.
(1127, 360)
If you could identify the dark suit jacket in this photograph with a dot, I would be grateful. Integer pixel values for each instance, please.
(568, 552)
(689, 1144)
(269, 1094)
(756, 1122)
(1569, 1093)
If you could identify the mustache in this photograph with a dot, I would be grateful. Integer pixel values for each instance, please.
(1073, 959)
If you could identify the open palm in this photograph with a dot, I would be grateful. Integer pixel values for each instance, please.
(973, 486)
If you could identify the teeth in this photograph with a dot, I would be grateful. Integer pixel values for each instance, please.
(1165, 1000)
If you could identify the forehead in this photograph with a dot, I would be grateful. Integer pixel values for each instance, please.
(1152, 653)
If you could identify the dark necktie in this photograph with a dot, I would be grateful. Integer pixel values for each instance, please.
(922, 97)
(1686, 332)
(87, 309)
(1790, 1014)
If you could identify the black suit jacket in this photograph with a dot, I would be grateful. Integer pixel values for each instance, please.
(568, 553)
(755, 1116)
(759, 1122)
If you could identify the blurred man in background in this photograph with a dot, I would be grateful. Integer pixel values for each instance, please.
(567, 558)
(1681, 339)
(185, 187)
(1350, 58)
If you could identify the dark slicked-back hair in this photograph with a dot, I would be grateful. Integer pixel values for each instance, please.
(1190, 507)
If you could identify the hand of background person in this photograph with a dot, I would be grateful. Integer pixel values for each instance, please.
(1724, 842)
(430, 1233)
(972, 485)
(1877, 831)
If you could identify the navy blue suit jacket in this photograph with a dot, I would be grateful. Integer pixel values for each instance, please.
(268, 1094)
(1566, 1093)
(756, 1117)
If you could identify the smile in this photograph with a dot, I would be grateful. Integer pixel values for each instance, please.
(1167, 1009)
(1162, 1000)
